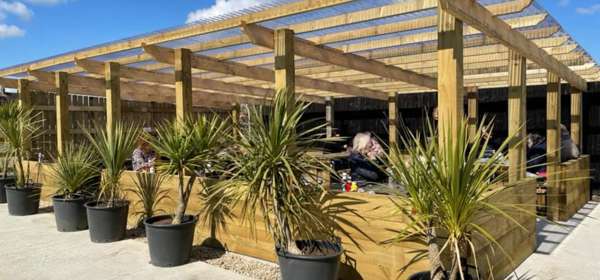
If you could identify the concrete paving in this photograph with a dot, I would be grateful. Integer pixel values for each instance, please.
(566, 251)
(32, 249)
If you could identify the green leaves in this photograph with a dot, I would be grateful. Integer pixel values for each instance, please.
(74, 169)
(114, 148)
(17, 127)
(149, 192)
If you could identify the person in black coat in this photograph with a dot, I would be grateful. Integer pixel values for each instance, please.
(365, 151)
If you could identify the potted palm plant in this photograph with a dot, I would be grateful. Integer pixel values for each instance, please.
(191, 148)
(149, 193)
(17, 127)
(274, 176)
(107, 216)
(6, 179)
(73, 171)
(449, 184)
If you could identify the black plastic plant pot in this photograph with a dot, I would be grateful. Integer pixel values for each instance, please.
(70, 214)
(4, 182)
(23, 201)
(107, 224)
(311, 267)
(170, 245)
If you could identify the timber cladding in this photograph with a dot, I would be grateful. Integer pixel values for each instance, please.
(574, 186)
(368, 258)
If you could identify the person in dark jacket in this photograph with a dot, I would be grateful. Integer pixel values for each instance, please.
(536, 153)
(365, 150)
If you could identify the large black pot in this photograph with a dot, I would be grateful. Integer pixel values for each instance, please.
(5, 181)
(170, 245)
(23, 201)
(307, 267)
(107, 224)
(70, 214)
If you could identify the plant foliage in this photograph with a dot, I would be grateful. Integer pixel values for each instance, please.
(74, 169)
(150, 194)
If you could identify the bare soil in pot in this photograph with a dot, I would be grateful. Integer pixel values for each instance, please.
(70, 213)
(5, 181)
(107, 223)
(170, 245)
(319, 260)
(23, 201)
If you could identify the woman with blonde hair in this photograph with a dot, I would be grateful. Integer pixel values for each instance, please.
(365, 149)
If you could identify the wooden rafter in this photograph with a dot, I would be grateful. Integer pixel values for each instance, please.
(472, 13)
(165, 55)
(264, 37)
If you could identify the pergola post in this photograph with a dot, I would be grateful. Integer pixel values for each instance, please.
(450, 74)
(392, 119)
(25, 102)
(235, 118)
(517, 116)
(113, 94)
(61, 101)
(183, 83)
(285, 71)
(472, 110)
(553, 144)
(576, 111)
(329, 116)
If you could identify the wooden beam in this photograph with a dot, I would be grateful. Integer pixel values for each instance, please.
(393, 119)
(165, 55)
(8, 83)
(24, 91)
(264, 37)
(450, 74)
(475, 15)
(329, 116)
(472, 110)
(553, 122)
(183, 83)
(113, 95)
(576, 117)
(285, 69)
(61, 100)
(517, 117)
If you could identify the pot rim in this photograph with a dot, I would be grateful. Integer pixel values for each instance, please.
(27, 187)
(148, 222)
(61, 197)
(93, 204)
(283, 253)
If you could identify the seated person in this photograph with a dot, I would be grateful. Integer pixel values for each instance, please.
(143, 156)
(568, 149)
(365, 149)
(536, 153)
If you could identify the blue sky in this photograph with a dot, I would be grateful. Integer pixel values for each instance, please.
(34, 29)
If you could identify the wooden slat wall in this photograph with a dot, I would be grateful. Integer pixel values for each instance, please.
(574, 191)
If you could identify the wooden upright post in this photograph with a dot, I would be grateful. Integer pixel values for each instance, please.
(25, 103)
(285, 71)
(183, 83)
(472, 109)
(113, 94)
(450, 74)
(553, 145)
(392, 119)
(517, 116)
(235, 118)
(576, 115)
(329, 115)
(61, 101)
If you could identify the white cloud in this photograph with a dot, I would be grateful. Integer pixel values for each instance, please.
(46, 2)
(222, 7)
(7, 31)
(564, 3)
(591, 10)
(16, 8)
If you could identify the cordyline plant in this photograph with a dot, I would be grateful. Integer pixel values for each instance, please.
(273, 174)
(17, 127)
(74, 169)
(113, 147)
(191, 146)
(450, 186)
(149, 193)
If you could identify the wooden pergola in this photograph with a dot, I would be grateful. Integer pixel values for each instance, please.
(332, 49)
